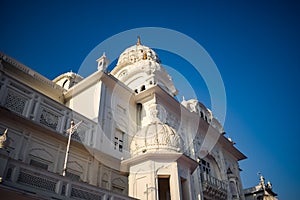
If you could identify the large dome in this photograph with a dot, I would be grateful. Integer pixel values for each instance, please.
(156, 137)
(139, 68)
(135, 54)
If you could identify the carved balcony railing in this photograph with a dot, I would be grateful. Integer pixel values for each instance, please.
(33, 181)
(32, 105)
(213, 187)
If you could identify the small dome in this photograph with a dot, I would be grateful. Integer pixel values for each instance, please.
(67, 80)
(156, 137)
(195, 106)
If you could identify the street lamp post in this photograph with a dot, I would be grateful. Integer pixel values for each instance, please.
(71, 130)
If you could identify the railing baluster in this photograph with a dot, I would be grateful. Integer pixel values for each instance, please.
(37, 181)
(216, 184)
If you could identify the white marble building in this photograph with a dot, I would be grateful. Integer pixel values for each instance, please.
(135, 140)
(262, 191)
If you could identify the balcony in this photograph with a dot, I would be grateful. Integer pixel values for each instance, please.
(213, 188)
(35, 182)
(40, 109)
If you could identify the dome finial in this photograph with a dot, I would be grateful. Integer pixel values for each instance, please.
(138, 41)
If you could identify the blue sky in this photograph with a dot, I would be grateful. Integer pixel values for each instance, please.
(255, 45)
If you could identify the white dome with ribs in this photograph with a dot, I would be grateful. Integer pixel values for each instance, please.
(139, 68)
(156, 137)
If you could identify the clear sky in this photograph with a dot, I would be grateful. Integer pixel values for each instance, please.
(255, 45)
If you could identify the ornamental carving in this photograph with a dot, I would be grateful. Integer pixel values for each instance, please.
(137, 53)
(49, 118)
(15, 102)
(79, 135)
(167, 136)
(155, 137)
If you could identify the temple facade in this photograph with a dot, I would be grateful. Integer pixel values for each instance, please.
(129, 137)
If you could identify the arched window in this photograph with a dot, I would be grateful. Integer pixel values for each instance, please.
(139, 108)
(119, 140)
(201, 113)
(63, 85)
(205, 166)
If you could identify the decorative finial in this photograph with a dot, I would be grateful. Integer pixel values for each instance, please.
(262, 181)
(261, 178)
(269, 185)
(139, 41)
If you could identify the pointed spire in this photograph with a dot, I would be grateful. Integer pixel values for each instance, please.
(139, 41)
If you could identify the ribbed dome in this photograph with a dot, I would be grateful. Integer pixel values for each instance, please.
(135, 54)
(156, 137)
(139, 68)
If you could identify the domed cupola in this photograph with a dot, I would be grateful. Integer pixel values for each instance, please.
(135, 54)
(156, 137)
(139, 68)
(67, 80)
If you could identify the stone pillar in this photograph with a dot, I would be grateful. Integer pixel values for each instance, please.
(175, 183)
(58, 187)
(92, 172)
(68, 190)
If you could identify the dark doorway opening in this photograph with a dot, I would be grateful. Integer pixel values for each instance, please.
(164, 188)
